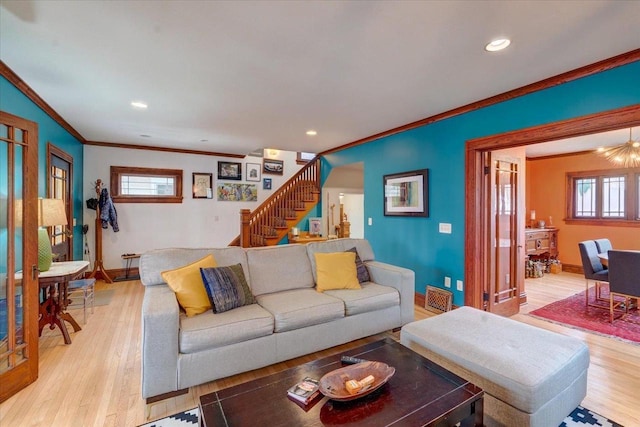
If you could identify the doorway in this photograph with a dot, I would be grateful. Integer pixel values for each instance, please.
(477, 228)
(59, 180)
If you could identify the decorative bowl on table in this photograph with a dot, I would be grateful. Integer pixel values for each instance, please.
(333, 383)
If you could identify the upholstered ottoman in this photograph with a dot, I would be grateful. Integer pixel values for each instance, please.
(531, 376)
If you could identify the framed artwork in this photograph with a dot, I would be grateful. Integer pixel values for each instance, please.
(202, 185)
(407, 194)
(232, 192)
(315, 226)
(253, 172)
(230, 170)
(266, 184)
(272, 166)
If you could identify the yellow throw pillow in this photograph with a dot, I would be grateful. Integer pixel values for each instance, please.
(336, 271)
(187, 283)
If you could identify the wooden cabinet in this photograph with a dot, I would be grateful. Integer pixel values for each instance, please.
(541, 241)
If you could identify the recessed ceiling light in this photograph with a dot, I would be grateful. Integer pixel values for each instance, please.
(139, 104)
(497, 45)
(312, 132)
(204, 140)
(145, 136)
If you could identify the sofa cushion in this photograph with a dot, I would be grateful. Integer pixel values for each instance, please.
(361, 269)
(186, 282)
(298, 308)
(154, 262)
(336, 271)
(279, 268)
(226, 287)
(362, 246)
(211, 330)
(370, 298)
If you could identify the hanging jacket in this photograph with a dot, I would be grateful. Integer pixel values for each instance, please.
(108, 214)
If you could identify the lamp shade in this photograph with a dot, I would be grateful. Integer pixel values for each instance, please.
(50, 213)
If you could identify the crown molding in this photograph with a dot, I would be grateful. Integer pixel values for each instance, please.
(606, 64)
(15, 80)
(166, 149)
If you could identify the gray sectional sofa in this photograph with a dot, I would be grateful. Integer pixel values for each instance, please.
(290, 318)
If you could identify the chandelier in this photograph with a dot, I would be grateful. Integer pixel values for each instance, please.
(627, 154)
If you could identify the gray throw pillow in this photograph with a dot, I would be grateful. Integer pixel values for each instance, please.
(226, 287)
(361, 269)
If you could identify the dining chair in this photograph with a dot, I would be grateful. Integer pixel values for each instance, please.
(603, 245)
(86, 288)
(593, 269)
(624, 279)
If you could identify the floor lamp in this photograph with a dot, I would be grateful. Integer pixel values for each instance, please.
(51, 212)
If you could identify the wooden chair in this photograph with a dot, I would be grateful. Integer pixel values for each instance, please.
(593, 269)
(624, 279)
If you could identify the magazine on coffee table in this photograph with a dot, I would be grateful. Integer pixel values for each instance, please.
(305, 391)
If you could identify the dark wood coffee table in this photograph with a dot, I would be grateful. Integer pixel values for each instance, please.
(420, 393)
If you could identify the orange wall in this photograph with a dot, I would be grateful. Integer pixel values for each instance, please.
(546, 188)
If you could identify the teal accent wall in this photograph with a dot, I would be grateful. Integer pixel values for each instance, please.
(15, 102)
(415, 243)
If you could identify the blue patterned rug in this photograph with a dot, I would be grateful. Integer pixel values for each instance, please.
(580, 417)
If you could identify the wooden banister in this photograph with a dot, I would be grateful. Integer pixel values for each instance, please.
(269, 222)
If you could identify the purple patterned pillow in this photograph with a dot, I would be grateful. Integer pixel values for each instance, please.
(361, 269)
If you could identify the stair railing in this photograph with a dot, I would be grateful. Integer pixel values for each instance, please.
(264, 222)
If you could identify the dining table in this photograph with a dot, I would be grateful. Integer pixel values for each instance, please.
(604, 257)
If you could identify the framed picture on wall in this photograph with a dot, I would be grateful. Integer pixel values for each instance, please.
(230, 170)
(407, 194)
(202, 185)
(266, 184)
(272, 166)
(253, 172)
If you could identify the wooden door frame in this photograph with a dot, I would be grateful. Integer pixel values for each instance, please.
(27, 372)
(52, 150)
(474, 250)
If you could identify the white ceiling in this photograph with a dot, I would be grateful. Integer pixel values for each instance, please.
(232, 77)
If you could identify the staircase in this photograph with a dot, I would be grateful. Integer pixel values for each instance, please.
(273, 219)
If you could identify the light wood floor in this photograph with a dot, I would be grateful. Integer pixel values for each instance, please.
(95, 381)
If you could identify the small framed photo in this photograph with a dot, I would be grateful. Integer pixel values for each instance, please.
(230, 170)
(272, 166)
(266, 184)
(315, 226)
(406, 194)
(202, 185)
(253, 172)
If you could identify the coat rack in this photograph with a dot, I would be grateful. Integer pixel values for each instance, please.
(98, 242)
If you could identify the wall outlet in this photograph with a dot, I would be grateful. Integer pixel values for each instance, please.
(370, 221)
(459, 285)
(447, 282)
(444, 227)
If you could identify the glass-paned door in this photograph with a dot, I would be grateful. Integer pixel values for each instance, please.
(505, 268)
(60, 166)
(18, 254)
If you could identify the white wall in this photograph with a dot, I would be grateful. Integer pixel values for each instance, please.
(192, 223)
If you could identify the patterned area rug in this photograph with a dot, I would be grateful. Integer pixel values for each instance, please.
(579, 417)
(574, 313)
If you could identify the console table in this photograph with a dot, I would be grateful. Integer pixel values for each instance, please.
(541, 243)
(54, 281)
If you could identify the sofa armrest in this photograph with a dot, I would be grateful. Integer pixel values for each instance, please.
(160, 324)
(403, 279)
